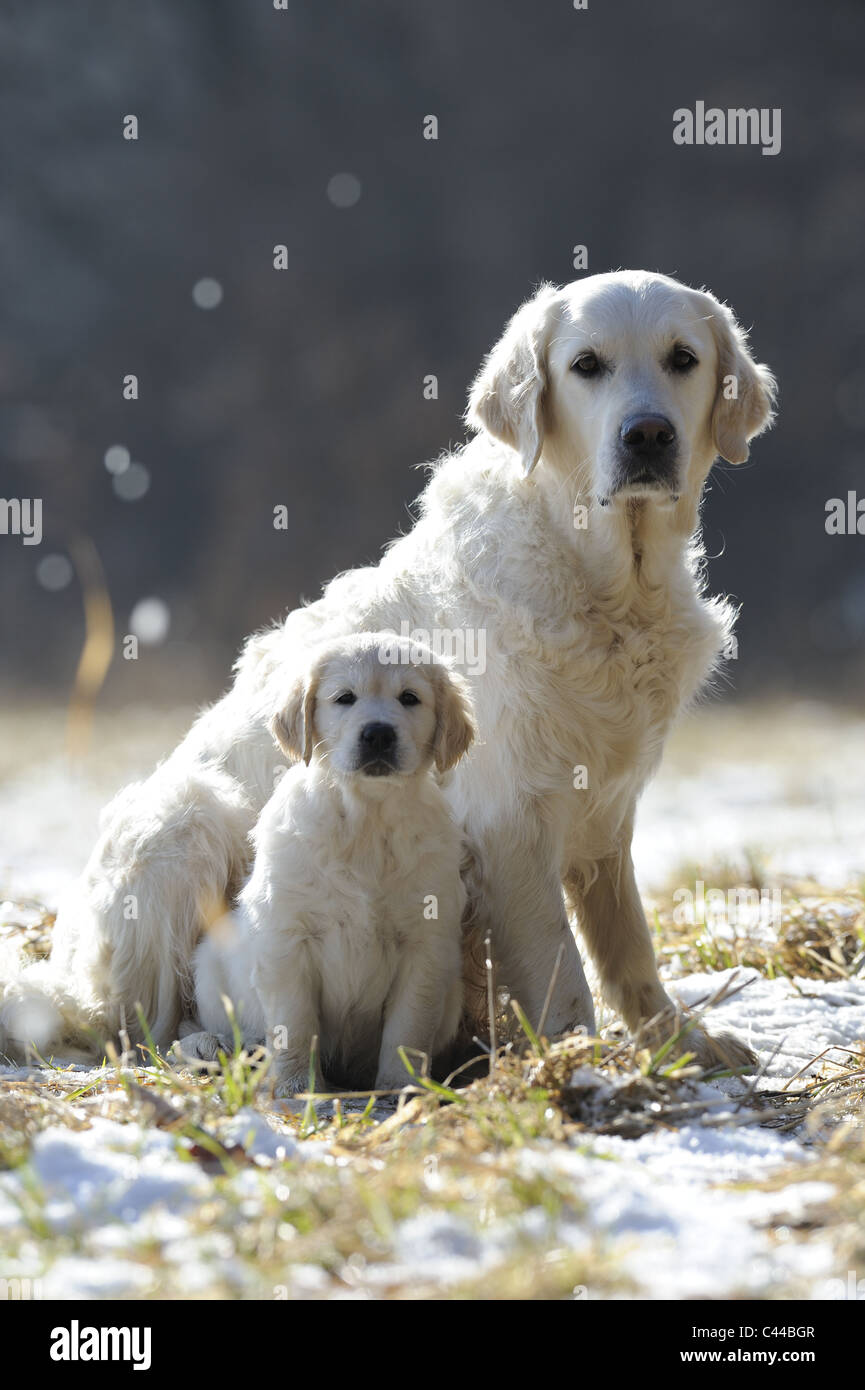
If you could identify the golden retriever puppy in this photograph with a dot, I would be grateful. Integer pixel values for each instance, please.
(348, 929)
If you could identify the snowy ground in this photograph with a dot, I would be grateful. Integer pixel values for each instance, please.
(110, 1204)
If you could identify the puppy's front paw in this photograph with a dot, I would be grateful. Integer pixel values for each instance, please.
(199, 1047)
(291, 1081)
(288, 1086)
(391, 1079)
(392, 1074)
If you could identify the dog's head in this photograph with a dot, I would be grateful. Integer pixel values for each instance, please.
(629, 383)
(376, 705)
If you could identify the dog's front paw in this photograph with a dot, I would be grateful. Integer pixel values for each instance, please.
(711, 1051)
(714, 1050)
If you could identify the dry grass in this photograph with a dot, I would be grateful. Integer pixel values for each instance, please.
(332, 1225)
(819, 935)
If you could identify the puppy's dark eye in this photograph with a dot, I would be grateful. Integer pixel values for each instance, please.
(346, 698)
(682, 359)
(586, 364)
(408, 697)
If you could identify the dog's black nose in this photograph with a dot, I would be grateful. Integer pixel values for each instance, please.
(377, 738)
(647, 435)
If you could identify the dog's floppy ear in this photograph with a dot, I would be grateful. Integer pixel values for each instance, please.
(507, 397)
(455, 723)
(293, 726)
(746, 389)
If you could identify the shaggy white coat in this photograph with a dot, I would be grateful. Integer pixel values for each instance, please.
(597, 635)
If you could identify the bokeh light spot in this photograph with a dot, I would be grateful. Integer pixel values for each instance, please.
(54, 572)
(117, 458)
(207, 294)
(133, 483)
(149, 621)
(343, 190)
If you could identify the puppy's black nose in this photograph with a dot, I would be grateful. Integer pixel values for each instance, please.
(647, 435)
(377, 738)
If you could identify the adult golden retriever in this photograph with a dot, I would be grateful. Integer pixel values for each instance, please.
(565, 535)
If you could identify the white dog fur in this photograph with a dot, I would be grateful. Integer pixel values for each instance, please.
(597, 636)
(349, 928)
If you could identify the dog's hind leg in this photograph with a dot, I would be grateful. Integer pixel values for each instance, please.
(170, 853)
(519, 899)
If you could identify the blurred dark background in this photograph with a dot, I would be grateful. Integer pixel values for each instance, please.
(305, 386)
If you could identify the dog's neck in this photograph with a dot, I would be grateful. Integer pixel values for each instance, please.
(383, 798)
(637, 539)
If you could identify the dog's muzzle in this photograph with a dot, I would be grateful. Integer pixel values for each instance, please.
(377, 750)
(647, 455)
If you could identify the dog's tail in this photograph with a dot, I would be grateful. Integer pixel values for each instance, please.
(171, 852)
(40, 1012)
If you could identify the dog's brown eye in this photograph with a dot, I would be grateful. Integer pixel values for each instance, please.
(408, 697)
(586, 364)
(346, 698)
(682, 359)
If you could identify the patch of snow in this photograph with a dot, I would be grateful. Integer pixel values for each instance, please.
(261, 1138)
(110, 1171)
(662, 1213)
(789, 786)
(801, 1017)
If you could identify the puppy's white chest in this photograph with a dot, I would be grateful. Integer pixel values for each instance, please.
(382, 891)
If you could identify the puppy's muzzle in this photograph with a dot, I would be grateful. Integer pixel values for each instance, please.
(647, 453)
(377, 750)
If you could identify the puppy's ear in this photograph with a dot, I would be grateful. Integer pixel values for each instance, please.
(746, 389)
(293, 726)
(455, 723)
(507, 398)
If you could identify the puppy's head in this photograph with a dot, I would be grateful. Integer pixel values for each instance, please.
(374, 706)
(630, 383)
